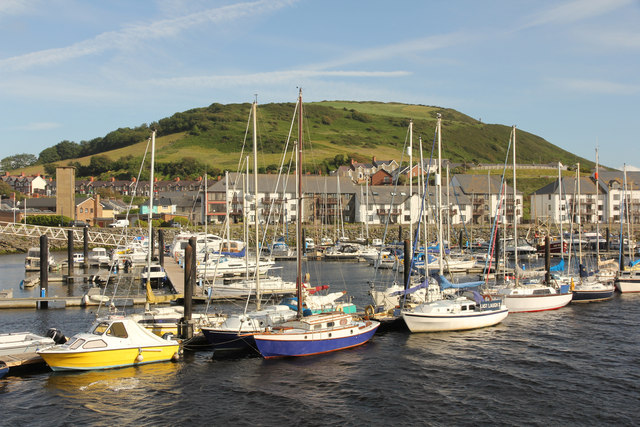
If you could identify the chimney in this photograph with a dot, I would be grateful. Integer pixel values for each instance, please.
(177, 178)
(133, 179)
(113, 179)
(374, 159)
(22, 173)
(353, 162)
(91, 179)
(6, 174)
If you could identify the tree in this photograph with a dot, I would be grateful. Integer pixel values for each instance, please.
(49, 155)
(18, 161)
(5, 189)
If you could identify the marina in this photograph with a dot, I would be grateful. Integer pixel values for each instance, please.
(472, 377)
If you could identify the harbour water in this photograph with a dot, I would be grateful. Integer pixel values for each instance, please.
(579, 365)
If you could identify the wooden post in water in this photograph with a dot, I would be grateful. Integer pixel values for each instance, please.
(70, 256)
(547, 259)
(189, 282)
(161, 247)
(607, 243)
(399, 233)
(407, 268)
(85, 247)
(44, 269)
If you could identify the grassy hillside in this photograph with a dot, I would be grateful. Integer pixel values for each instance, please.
(215, 135)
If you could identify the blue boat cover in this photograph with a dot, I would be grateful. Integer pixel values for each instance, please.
(446, 284)
(633, 263)
(558, 267)
(410, 290)
(235, 254)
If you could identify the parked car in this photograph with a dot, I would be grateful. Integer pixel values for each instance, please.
(78, 224)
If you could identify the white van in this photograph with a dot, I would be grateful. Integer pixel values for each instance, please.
(119, 223)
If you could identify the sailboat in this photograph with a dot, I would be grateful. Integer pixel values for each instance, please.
(451, 312)
(532, 294)
(317, 333)
(114, 341)
(628, 279)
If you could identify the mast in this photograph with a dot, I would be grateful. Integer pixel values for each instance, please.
(410, 149)
(515, 206)
(579, 218)
(255, 196)
(439, 199)
(597, 213)
(299, 213)
(150, 213)
(560, 206)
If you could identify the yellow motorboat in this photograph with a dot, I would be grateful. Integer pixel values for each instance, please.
(112, 342)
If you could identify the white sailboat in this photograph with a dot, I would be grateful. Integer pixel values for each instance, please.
(451, 312)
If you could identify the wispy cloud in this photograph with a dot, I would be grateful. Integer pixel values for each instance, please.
(128, 36)
(404, 48)
(274, 77)
(616, 39)
(574, 11)
(593, 86)
(39, 126)
(14, 7)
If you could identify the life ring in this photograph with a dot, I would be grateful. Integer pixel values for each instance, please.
(368, 312)
(487, 297)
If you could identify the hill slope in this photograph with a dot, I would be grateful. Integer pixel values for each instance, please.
(214, 135)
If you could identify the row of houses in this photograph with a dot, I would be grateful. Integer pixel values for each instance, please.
(468, 199)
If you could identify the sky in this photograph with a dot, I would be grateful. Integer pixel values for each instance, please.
(568, 71)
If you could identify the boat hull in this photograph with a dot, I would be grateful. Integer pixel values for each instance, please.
(106, 359)
(530, 303)
(628, 286)
(423, 322)
(229, 341)
(278, 344)
(592, 296)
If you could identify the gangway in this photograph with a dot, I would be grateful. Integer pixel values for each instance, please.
(96, 237)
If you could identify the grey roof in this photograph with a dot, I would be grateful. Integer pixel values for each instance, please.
(570, 186)
(479, 184)
(314, 184)
(633, 178)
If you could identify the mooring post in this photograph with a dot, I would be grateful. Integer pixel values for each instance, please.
(70, 255)
(407, 264)
(44, 269)
(189, 282)
(547, 259)
(161, 247)
(85, 247)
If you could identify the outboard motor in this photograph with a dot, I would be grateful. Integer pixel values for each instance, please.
(56, 335)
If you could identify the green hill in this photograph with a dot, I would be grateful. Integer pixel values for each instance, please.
(213, 137)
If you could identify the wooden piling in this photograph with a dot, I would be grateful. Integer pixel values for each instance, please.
(85, 247)
(70, 255)
(44, 269)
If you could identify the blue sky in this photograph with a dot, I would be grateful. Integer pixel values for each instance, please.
(568, 71)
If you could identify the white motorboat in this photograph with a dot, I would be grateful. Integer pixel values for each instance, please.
(628, 281)
(32, 260)
(15, 343)
(98, 256)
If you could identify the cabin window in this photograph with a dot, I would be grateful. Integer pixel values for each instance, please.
(77, 343)
(541, 291)
(464, 308)
(330, 324)
(118, 330)
(94, 344)
(101, 328)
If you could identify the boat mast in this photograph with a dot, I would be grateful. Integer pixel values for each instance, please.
(560, 206)
(150, 213)
(409, 257)
(439, 200)
(579, 218)
(299, 213)
(255, 196)
(597, 213)
(515, 205)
